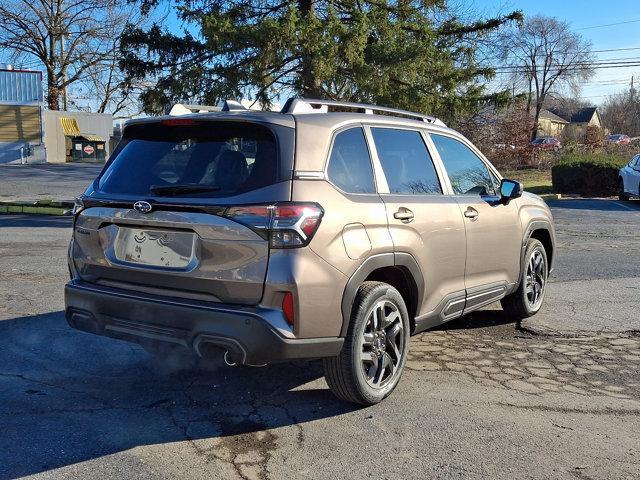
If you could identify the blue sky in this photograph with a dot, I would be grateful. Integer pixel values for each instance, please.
(592, 19)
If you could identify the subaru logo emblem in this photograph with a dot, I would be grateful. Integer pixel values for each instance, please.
(142, 206)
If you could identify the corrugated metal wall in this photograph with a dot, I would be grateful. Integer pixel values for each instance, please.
(20, 123)
(20, 87)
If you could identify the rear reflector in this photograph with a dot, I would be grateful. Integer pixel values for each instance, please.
(284, 224)
(287, 308)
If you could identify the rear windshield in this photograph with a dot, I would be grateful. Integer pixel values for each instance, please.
(230, 158)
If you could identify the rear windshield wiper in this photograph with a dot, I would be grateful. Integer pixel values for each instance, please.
(182, 189)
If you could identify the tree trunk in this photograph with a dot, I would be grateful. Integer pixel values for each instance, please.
(310, 84)
(53, 92)
(529, 96)
(536, 118)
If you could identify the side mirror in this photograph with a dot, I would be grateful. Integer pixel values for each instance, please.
(509, 189)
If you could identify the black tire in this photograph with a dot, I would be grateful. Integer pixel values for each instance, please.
(519, 304)
(345, 374)
(621, 193)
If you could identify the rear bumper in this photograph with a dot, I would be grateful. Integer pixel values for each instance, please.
(206, 330)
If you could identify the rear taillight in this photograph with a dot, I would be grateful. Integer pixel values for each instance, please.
(285, 224)
(287, 308)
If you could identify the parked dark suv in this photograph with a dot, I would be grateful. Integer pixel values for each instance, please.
(310, 233)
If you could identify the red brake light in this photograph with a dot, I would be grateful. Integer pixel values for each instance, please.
(308, 226)
(286, 225)
(287, 308)
(172, 122)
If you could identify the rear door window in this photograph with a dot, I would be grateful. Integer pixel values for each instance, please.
(215, 159)
(350, 165)
(406, 162)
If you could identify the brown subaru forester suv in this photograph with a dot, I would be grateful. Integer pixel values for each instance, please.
(329, 230)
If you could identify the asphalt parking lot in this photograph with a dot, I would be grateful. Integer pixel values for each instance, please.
(557, 396)
(46, 182)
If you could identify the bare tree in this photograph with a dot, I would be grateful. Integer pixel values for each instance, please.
(503, 134)
(545, 54)
(621, 113)
(69, 38)
(104, 87)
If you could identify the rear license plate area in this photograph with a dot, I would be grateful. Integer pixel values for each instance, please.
(155, 248)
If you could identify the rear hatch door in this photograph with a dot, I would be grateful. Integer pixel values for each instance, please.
(154, 220)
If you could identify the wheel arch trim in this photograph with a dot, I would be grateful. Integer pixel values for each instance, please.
(371, 264)
(533, 226)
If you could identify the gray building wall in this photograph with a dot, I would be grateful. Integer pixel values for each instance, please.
(20, 87)
(95, 123)
(20, 93)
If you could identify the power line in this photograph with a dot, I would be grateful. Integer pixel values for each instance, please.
(608, 25)
(615, 50)
(569, 68)
(602, 83)
(608, 61)
(625, 49)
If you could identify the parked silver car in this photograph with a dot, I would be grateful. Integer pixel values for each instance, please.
(629, 179)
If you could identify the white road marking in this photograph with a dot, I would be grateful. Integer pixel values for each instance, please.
(627, 207)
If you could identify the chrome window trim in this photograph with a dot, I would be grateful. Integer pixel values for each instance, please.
(308, 175)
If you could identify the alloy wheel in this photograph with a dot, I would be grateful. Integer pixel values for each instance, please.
(535, 280)
(382, 344)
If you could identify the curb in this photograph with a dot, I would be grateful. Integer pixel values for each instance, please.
(37, 207)
(551, 196)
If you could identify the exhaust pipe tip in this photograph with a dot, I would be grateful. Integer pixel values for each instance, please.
(228, 360)
(210, 346)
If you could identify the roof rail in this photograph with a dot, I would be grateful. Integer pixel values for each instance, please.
(223, 106)
(231, 105)
(183, 109)
(313, 105)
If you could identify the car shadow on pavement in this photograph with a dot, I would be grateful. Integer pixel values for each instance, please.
(21, 220)
(68, 397)
(479, 319)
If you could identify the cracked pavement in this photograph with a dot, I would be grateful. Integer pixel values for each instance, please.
(557, 396)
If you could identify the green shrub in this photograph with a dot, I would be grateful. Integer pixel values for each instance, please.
(589, 175)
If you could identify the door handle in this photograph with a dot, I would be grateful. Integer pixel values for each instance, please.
(403, 214)
(471, 213)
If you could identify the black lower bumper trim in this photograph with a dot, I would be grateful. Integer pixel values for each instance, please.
(203, 329)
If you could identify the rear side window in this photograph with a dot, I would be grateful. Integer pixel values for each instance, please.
(350, 165)
(406, 162)
(218, 159)
(467, 172)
